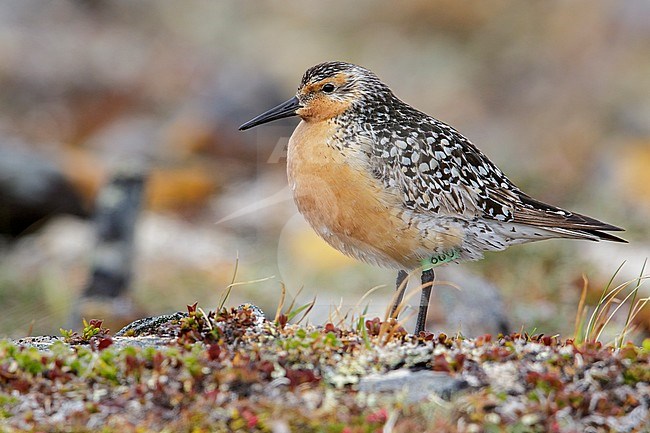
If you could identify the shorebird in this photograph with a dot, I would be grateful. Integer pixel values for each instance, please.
(390, 185)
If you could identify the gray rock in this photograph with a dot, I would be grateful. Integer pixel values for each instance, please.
(44, 343)
(149, 325)
(33, 189)
(418, 385)
(41, 342)
(472, 306)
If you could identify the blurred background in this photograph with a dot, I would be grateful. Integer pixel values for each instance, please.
(557, 94)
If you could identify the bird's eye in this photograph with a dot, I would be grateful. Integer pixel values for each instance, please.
(328, 88)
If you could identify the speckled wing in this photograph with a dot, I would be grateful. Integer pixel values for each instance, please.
(437, 170)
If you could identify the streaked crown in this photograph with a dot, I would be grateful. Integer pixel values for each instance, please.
(331, 88)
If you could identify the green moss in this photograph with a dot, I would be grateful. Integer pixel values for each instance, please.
(637, 373)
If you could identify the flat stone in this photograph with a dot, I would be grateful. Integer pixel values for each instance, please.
(418, 385)
(44, 343)
(41, 342)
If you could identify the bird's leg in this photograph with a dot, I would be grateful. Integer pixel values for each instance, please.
(400, 287)
(427, 284)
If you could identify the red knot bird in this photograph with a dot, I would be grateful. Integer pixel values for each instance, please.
(390, 185)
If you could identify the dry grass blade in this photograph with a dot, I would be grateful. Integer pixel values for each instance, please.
(581, 314)
(343, 318)
(406, 296)
(608, 307)
(629, 318)
(640, 305)
(290, 312)
(368, 293)
(351, 310)
(591, 323)
(283, 295)
(226, 294)
(293, 300)
(604, 316)
(241, 283)
(602, 310)
(630, 327)
(307, 307)
(609, 317)
(259, 280)
(386, 329)
(224, 297)
(402, 305)
(390, 327)
(625, 300)
(205, 316)
(340, 318)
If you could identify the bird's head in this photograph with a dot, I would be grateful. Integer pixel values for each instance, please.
(326, 90)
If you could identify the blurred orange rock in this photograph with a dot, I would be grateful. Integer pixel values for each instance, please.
(633, 172)
(85, 171)
(180, 188)
(190, 134)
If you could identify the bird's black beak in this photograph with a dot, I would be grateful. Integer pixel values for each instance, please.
(286, 109)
